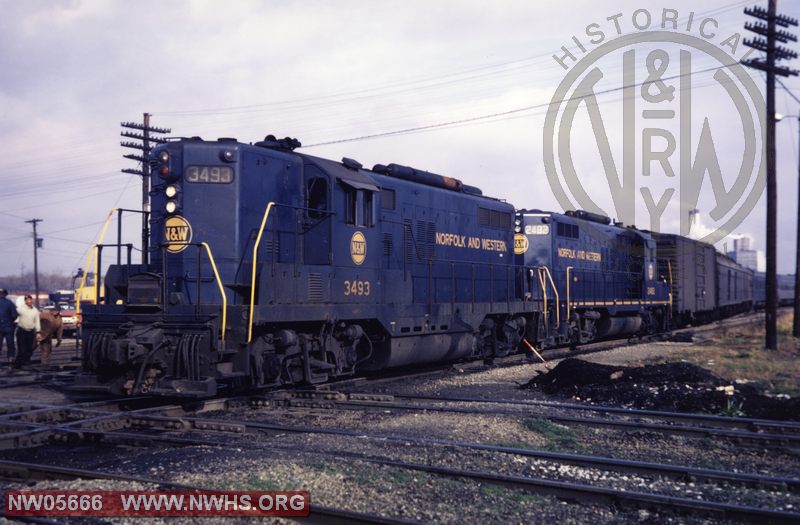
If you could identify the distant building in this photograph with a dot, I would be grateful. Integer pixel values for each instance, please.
(741, 244)
(743, 254)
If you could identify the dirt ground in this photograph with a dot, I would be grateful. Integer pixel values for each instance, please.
(725, 371)
(737, 354)
(674, 386)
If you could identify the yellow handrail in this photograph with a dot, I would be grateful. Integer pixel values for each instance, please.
(221, 291)
(253, 280)
(568, 270)
(555, 291)
(669, 267)
(93, 252)
(540, 274)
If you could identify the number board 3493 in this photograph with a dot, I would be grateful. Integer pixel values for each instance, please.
(209, 174)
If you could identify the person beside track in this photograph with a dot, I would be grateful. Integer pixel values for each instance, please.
(28, 328)
(8, 316)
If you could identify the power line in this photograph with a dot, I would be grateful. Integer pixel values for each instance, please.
(80, 227)
(500, 113)
(392, 87)
(787, 90)
(71, 199)
(12, 215)
(88, 246)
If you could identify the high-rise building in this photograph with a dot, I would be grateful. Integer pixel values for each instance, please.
(741, 244)
(742, 253)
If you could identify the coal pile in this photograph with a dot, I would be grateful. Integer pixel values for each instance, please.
(680, 387)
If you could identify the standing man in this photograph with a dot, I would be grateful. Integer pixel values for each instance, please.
(8, 314)
(52, 326)
(28, 328)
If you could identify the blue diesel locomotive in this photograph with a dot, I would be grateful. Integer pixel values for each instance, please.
(271, 267)
(602, 275)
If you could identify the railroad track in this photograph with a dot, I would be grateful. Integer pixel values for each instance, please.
(762, 433)
(561, 489)
(98, 418)
(753, 424)
(158, 425)
(21, 471)
(64, 364)
(30, 424)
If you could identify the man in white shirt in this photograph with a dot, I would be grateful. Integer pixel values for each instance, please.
(28, 328)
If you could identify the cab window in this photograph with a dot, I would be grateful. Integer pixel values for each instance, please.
(317, 194)
(360, 207)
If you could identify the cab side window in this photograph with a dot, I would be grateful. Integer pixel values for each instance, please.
(359, 207)
(317, 195)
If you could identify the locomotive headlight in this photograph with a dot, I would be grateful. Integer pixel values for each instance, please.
(164, 156)
(227, 155)
(517, 229)
(171, 206)
(171, 191)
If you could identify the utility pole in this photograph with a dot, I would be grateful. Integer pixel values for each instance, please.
(767, 43)
(147, 137)
(796, 322)
(37, 243)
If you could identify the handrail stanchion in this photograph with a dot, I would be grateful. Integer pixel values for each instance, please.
(547, 273)
(119, 236)
(569, 268)
(669, 267)
(255, 267)
(164, 278)
(542, 283)
(198, 254)
(221, 291)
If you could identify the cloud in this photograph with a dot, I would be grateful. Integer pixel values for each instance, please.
(317, 70)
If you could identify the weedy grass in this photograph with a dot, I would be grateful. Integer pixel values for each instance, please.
(738, 353)
(559, 437)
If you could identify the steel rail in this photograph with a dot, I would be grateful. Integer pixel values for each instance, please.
(561, 489)
(318, 513)
(180, 421)
(677, 472)
(722, 421)
(742, 436)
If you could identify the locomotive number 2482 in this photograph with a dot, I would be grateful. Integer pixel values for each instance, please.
(357, 287)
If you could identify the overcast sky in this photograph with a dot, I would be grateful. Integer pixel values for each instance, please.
(325, 72)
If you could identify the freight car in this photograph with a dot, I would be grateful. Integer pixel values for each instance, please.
(734, 286)
(705, 284)
(785, 289)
